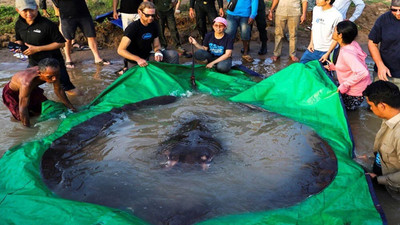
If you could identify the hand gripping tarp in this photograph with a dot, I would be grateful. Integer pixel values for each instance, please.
(301, 92)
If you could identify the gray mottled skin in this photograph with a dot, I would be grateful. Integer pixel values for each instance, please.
(192, 144)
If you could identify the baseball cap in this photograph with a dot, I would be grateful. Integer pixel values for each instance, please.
(221, 20)
(396, 3)
(25, 4)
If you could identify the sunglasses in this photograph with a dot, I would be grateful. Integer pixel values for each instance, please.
(394, 10)
(148, 15)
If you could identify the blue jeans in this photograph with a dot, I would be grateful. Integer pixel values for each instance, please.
(310, 56)
(222, 67)
(170, 56)
(236, 21)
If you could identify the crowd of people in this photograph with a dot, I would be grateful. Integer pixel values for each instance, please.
(332, 42)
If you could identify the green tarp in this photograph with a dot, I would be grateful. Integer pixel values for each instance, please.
(301, 92)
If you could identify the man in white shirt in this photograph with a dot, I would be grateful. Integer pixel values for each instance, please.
(343, 6)
(325, 18)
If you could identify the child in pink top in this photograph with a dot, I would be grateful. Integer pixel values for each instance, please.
(351, 69)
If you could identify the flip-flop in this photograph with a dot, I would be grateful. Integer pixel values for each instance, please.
(70, 65)
(121, 71)
(78, 47)
(103, 62)
(83, 48)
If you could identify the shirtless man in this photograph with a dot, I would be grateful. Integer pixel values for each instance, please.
(22, 94)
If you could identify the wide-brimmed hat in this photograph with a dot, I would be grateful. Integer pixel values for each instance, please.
(25, 4)
(221, 20)
(396, 3)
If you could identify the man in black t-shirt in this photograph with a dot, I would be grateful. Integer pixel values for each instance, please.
(42, 38)
(139, 37)
(129, 13)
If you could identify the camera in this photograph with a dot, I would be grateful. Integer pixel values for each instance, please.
(325, 63)
(14, 46)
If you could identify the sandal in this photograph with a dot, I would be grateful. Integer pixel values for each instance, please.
(70, 65)
(103, 63)
(247, 58)
(79, 47)
(121, 71)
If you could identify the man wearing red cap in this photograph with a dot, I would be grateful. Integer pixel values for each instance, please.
(217, 47)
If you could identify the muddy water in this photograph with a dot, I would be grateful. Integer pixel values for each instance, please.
(92, 81)
(267, 162)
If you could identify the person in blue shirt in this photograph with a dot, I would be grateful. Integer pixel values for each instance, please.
(217, 47)
(242, 16)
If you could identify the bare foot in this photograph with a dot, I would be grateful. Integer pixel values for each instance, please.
(103, 62)
(274, 58)
(294, 58)
(73, 92)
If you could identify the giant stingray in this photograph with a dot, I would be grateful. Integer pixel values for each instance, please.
(192, 144)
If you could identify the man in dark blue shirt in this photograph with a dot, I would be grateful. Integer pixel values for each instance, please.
(386, 32)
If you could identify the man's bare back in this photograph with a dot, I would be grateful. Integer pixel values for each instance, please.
(26, 79)
(23, 93)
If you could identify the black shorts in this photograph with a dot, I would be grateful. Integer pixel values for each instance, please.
(64, 78)
(69, 25)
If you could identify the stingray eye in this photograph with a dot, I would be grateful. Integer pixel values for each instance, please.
(204, 158)
(172, 157)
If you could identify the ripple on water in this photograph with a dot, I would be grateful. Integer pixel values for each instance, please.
(268, 162)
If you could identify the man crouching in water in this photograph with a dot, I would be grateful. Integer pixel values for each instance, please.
(384, 100)
(22, 94)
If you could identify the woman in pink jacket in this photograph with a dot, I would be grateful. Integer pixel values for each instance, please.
(351, 69)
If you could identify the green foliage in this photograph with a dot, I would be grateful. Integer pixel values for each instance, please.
(7, 19)
(9, 16)
(386, 2)
(184, 7)
(268, 4)
(97, 7)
